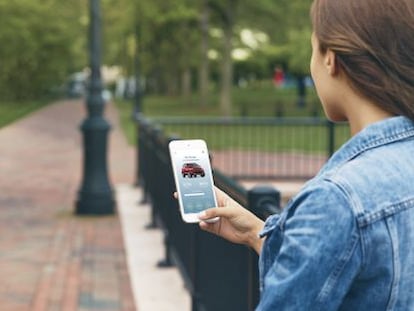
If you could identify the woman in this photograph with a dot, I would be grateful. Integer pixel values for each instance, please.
(346, 241)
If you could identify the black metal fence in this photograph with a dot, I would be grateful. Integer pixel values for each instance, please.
(220, 276)
(262, 148)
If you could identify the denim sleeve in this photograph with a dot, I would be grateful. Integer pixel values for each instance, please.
(310, 258)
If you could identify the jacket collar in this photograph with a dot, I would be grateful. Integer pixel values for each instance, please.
(377, 134)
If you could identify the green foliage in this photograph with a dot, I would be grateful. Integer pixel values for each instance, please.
(39, 47)
(43, 41)
(169, 36)
(169, 43)
(118, 32)
(299, 50)
(10, 111)
(287, 24)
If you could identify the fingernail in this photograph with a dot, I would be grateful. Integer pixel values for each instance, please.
(202, 215)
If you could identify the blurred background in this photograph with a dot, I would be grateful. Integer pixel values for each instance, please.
(215, 57)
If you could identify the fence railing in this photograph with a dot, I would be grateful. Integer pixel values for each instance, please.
(220, 276)
(262, 148)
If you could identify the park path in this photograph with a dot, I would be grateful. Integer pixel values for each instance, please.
(50, 259)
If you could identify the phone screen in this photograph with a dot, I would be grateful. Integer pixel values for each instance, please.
(194, 178)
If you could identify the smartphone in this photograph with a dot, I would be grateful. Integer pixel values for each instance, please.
(193, 178)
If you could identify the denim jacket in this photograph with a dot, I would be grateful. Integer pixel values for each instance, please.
(346, 241)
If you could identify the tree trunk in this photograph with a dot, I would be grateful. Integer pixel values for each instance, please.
(172, 83)
(203, 70)
(186, 86)
(227, 65)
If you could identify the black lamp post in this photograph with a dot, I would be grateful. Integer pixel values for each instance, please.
(95, 196)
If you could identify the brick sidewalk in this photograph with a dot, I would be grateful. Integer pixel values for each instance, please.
(50, 259)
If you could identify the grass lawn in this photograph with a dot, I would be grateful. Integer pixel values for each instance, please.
(11, 111)
(261, 137)
(264, 101)
(254, 101)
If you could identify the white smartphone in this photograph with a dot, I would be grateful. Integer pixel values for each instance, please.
(193, 178)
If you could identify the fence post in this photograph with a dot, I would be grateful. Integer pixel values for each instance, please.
(138, 119)
(331, 138)
(279, 111)
(143, 150)
(167, 260)
(152, 164)
(264, 201)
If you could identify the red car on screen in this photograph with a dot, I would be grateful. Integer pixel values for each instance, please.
(192, 170)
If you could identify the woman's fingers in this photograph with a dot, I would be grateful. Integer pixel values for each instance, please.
(225, 212)
(210, 227)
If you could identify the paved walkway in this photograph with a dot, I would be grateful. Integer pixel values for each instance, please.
(50, 259)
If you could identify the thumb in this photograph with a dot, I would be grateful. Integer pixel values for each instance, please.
(225, 212)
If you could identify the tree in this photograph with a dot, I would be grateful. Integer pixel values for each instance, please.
(225, 12)
(170, 31)
(233, 14)
(118, 21)
(41, 49)
(203, 78)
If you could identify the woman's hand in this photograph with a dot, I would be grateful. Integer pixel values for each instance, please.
(236, 224)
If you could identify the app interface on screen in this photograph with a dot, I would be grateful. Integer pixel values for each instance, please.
(194, 178)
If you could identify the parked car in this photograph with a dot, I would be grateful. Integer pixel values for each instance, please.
(192, 170)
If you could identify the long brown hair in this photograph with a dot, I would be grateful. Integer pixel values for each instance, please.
(374, 44)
